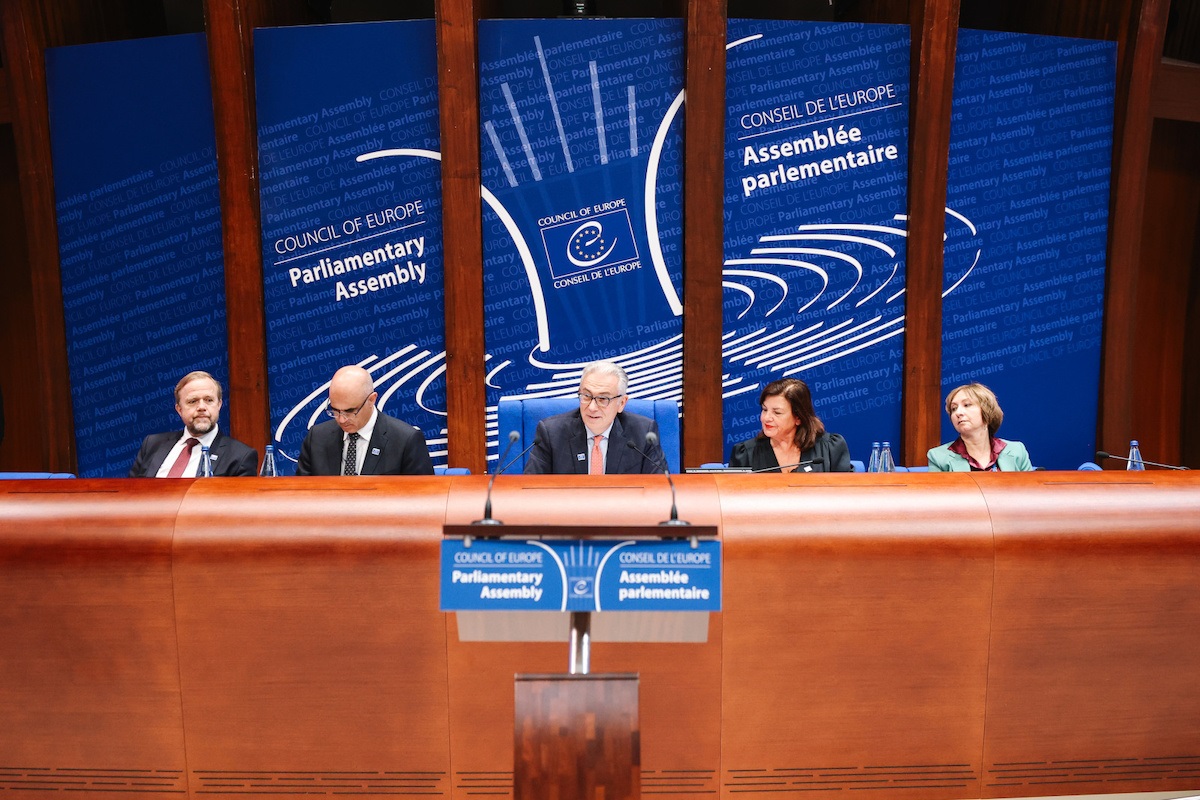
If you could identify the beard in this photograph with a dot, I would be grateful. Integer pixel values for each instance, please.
(201, 426)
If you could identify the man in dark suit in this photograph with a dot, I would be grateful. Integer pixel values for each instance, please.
(176, 454)
(595, 439)
(361, 440)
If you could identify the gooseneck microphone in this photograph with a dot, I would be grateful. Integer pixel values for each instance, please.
(782, 467)
(487, 505)
(652, 441)
(1101, 455)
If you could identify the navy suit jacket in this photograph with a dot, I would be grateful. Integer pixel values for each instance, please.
(229, 457)
(562, 439)
(396, 448)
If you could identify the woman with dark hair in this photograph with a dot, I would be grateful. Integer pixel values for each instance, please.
(793, 438)
(975, 413)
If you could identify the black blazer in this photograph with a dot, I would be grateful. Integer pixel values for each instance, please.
(230, 458)
(828, 454)
(396, 448)
(560, 446)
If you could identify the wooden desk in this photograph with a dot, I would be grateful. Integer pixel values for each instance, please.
(908, 636)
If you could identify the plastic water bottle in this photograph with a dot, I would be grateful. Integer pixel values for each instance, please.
(268, 466)
(886, 464)
(1135, 457)
(873, 464)
(204, 468)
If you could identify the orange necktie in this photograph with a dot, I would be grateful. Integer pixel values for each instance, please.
(596, 467)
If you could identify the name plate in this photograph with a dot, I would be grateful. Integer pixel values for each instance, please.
(580, 575)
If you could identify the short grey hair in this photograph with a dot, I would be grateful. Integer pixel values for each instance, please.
(611, 368)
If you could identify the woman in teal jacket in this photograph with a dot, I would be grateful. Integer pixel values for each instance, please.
(976, 415)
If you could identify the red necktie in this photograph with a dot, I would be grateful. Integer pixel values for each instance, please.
(184, 456)
(596, 467)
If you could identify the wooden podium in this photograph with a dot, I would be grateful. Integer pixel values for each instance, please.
(576, 735)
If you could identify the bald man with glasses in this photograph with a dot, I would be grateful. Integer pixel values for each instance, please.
(594, 440)
(359, 439)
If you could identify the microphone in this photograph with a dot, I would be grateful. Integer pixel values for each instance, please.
(782, 467)
(487, 505)
(1101, 455)
(652, 441)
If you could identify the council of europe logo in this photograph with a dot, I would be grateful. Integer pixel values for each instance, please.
(589, 243)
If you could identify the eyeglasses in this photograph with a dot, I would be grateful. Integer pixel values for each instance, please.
(346, 412)
(586, 399)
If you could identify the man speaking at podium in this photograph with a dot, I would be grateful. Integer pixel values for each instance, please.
(595, 438)
(360, 440)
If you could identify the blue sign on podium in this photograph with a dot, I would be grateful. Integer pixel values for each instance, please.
(580, 575)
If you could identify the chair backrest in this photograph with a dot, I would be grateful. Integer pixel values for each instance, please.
(1090, 466)
(857, 465)
(918, 469)
(24, 476)
(451, 471)
(522, 414)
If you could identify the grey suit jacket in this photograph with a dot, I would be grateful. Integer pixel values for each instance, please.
(560, 446)
(396, 448)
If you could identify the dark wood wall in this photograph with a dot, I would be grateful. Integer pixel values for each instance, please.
(1149, 387)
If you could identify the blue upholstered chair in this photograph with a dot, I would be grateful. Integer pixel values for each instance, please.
(917, 469)
(858, 465)
(451, 471)
(522, 414)
(1090, 466)
(24, 476)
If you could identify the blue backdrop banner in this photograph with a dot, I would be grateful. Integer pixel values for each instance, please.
(139, 228)
(816, 153)
(351, 221)
(1030, 155)
(582, 160)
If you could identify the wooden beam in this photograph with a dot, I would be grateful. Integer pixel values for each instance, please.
(230, 25)
(458, 100)
(703, 232)
(1176, 91)
(24, 50)
(935, 40)
(5, 103)
(1138, 55)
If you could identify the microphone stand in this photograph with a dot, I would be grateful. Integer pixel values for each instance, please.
(1101, 455)
(487, 505)
(782, 467)
(674, 521)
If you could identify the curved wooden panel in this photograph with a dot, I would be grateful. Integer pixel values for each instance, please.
(89, 681)
(311, 651)
(1092, 680)
(855, 634)
(910, 635)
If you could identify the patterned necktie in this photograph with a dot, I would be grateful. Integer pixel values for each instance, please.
(185, 455)
(596, 466)
(351, 467)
